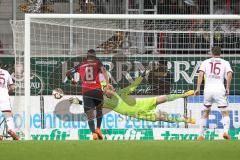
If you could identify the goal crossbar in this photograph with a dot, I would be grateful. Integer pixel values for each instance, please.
(134, 16)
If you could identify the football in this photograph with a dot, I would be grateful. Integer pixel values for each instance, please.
(57, 93)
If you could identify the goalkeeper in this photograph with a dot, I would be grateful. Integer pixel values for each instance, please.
(141, 108)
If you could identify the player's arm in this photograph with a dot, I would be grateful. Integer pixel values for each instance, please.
(70, 73)
(201, 73)
(199, 82)
(105, 75)
(228, 84)
(131, 88)
(107, 85)
(229, 72)
(11, 88)
(11, 85)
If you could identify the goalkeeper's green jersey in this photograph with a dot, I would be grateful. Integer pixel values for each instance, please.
(123, 103)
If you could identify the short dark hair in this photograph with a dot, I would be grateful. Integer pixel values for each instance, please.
(216, 50)
(91, 53)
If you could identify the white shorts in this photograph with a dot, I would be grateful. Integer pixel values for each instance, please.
(5, 105)
(215, 96)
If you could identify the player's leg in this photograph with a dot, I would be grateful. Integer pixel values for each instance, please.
(99, 121)
(172, 97)
(153, 115)
(146, 109)
(226, 124)
(10, 124)
(148, 104)
(203, 121)
(89, 106)
(205, 110)
(6, 109)
(143, 108)
(222, 103)
(1, 137)
(166, 117)
(99, 104)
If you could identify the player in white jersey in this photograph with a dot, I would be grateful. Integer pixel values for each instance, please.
(6, 86)
(214, 71)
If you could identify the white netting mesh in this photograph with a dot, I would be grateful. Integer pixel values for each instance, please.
(178, 47)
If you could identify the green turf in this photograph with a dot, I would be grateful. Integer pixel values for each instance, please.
(122, 150)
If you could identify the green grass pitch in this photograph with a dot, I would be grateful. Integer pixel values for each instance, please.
(120, 150)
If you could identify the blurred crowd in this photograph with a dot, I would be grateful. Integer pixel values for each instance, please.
(174, 41)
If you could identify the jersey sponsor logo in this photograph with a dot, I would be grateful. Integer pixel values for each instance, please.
(214, 76)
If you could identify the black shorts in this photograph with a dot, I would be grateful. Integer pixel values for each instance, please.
(92, 99)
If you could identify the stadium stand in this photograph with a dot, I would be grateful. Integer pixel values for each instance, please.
(11, 10)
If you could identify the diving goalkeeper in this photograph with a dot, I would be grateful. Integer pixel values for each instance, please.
(142, 108)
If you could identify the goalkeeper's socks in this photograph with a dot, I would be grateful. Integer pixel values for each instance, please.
(185, 120)
(172, 97)
(226, 123)
(174, 119)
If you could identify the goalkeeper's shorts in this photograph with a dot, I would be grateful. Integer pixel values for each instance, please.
(146, 103)
(144, 108)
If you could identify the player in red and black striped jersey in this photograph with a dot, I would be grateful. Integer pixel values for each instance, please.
(89, 71)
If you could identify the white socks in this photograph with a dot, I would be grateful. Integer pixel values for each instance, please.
(10, 123)
(226, 123)
(203, 124)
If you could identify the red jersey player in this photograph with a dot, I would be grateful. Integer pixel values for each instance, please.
(89, 71)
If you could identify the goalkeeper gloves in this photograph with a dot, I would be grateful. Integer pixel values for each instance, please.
(75, 100)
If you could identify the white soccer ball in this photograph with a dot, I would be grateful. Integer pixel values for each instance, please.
(57, 93)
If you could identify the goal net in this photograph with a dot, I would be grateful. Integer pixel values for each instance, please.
(171, 47)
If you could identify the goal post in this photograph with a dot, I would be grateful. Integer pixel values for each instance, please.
(27, 73)
(49, 44)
